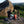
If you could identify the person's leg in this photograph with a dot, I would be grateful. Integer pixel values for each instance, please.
(8, 16)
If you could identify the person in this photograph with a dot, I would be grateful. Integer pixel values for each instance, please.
(9, 12)
(15, 16)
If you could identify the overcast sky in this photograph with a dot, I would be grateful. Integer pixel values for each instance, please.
(2, 1)
(17, 1)
(13, 1)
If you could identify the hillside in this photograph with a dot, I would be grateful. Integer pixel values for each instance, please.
(20, 7)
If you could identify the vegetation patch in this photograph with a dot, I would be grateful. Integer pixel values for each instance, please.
(2, 17)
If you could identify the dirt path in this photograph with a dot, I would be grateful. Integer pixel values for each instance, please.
(17, 21)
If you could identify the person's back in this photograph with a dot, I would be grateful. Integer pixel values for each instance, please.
(15, 16)
(9, 12)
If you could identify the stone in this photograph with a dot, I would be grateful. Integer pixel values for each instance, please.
(4, 11)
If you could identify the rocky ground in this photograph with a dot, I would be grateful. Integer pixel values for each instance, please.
(21, 21)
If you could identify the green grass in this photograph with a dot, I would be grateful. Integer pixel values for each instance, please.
(21, 16)
(21, 12)
(2, 17)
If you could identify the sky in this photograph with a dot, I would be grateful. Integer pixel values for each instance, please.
(13, 1)
(2, 1)
(17, 1)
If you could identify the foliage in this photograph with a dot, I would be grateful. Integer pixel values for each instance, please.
(20, 8)
(21, 16)
(2, 17)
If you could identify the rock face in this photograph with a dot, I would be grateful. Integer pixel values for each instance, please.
(4, 11)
